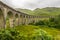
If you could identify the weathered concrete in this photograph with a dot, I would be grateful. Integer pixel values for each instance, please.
(10, 17)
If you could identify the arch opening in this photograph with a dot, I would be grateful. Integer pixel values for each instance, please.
(9, 20)
(16, 19)
(10, 14)
(16, 15)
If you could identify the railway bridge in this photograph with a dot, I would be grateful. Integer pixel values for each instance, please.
(11, 17)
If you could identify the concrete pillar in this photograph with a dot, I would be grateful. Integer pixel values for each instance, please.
(29, 20)
(1, 20)
(25, 20)
(22, 19)
(14, 20)
(5, 15)
(34, 19)
(11, 22)
(18, 19)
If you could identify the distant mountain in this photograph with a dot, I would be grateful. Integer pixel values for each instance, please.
(25, 11)
(48, 11)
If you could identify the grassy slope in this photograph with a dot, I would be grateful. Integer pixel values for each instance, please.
(49, 11)
(26, 11)
(30, 30)
(52, 31)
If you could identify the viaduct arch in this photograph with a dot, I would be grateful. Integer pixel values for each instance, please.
(11, 17)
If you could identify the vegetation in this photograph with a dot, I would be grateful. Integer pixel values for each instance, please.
(42, 30)
(52, 22)
(10, 34)
(48, 11)
(24, 33)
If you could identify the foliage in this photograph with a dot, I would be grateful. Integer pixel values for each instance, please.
(24, 33)
(34, 32)
(10, 34)
(41, 23)
(52, 22)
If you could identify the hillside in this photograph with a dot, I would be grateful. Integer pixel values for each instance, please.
(25, 11)
(48, 11)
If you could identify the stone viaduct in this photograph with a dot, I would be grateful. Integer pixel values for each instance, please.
(10, 17)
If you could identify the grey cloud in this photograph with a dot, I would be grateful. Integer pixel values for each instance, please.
(8, 2)
(57, 3)
(32, 4)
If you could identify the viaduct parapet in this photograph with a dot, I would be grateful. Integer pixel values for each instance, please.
(10, 17)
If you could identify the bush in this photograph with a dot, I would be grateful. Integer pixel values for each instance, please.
(52, 22)
(8, 34)
(40, 23)
(55, 22)
(16, 34)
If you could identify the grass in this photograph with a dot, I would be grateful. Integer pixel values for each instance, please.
(52, 31)
(27, 30)
(30, 30)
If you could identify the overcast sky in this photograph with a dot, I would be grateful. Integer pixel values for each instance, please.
(32, 4)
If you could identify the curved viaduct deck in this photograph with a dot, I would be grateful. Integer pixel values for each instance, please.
(11, 17)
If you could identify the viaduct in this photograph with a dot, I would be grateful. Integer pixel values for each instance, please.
(11, 17)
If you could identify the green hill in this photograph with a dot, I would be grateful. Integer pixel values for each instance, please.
(48, 11)
(26, 11)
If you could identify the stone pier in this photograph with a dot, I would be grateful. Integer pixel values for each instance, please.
(10, 17)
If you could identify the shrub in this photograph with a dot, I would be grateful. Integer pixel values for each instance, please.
(16, 34)
(8, 34)
(40, 23)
